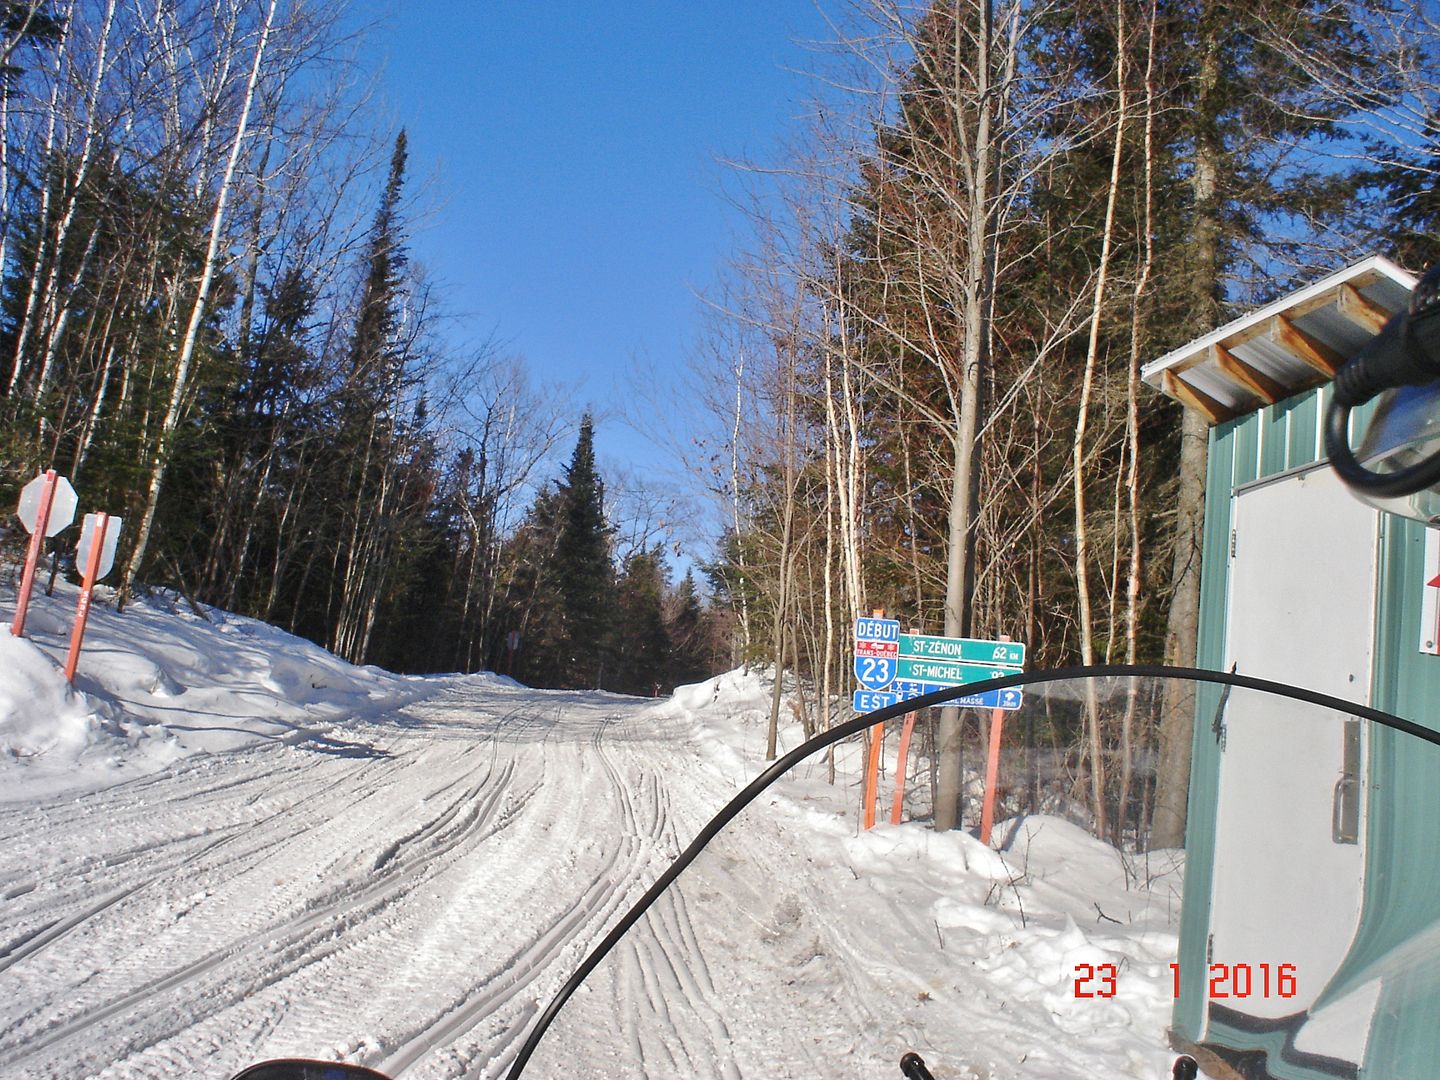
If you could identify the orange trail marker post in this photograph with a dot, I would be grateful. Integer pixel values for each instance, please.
(992, 769)
(902, 752)
(872, 774)
(96, 552)
(47, 506)
(992, 774)
(898, 805)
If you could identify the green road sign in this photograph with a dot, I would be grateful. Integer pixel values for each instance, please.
(949, 672)
(1010, 654)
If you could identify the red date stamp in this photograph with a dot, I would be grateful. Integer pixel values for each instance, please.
(1225, 981)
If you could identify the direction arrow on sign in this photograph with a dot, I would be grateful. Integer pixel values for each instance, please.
(1009, 654)
(991, 699)
(62, 505)
(950, 673)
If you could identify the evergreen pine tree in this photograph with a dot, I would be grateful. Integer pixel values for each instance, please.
(581, 571)
(379, 311)
(1408, 185)
(374, 447)
(685, 633)
(532, 598)
(640, 645)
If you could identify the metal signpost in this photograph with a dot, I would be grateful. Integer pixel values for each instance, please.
(96, 553)
(47, 506)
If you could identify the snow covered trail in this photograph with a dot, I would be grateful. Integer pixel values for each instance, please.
(403, 896)
(225, 844)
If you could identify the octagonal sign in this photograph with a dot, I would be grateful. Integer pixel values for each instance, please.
(62, 507)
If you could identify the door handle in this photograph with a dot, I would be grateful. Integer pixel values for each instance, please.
(1345, 811)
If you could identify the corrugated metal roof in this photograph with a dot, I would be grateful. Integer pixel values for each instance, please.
(1286, 347)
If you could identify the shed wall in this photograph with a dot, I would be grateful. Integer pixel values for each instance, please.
(1403, 819)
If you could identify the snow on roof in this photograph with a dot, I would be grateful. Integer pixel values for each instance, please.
(1290, 345)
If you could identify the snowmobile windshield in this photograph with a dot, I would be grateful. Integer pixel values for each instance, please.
(1296, 933)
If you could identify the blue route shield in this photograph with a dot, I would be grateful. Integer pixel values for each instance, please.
(875, 672)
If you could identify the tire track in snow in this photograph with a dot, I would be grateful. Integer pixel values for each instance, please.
(285, 935)
(31, 943)
(664, 978)
(664, 961)
(84, 908)
(641, 835)
(326, 944)
(53, 928)
(244, 964)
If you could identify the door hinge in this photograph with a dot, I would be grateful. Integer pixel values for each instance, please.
(1232, 543)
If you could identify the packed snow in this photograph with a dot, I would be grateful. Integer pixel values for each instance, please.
(224, 844)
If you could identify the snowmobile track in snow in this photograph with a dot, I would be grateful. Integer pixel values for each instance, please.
(442, 884)
(348, 905)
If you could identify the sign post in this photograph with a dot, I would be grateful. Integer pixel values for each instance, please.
(898, 803)
(992, 774)
(876, 738)
(892, 667)
(47, 506)
(96, 553)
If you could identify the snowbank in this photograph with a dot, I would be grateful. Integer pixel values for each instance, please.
(993, 941)
(161, 681)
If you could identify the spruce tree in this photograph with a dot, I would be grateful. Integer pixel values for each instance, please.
(640, 644)
(379, 311)
(583, 576)
(373, 444)
(1407, 186)
(685, 631)
(532, 597)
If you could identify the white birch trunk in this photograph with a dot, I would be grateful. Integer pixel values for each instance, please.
(180, 382)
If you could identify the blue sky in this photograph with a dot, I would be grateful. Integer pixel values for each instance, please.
(573, 149)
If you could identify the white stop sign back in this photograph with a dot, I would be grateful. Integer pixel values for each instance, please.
(62, 508)
(88, 531)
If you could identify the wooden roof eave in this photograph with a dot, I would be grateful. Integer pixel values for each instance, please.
(1213, 363)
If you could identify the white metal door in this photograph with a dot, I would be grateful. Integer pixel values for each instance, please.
(1301, 611)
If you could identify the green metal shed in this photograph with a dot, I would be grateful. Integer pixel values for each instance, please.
(1303, 584)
